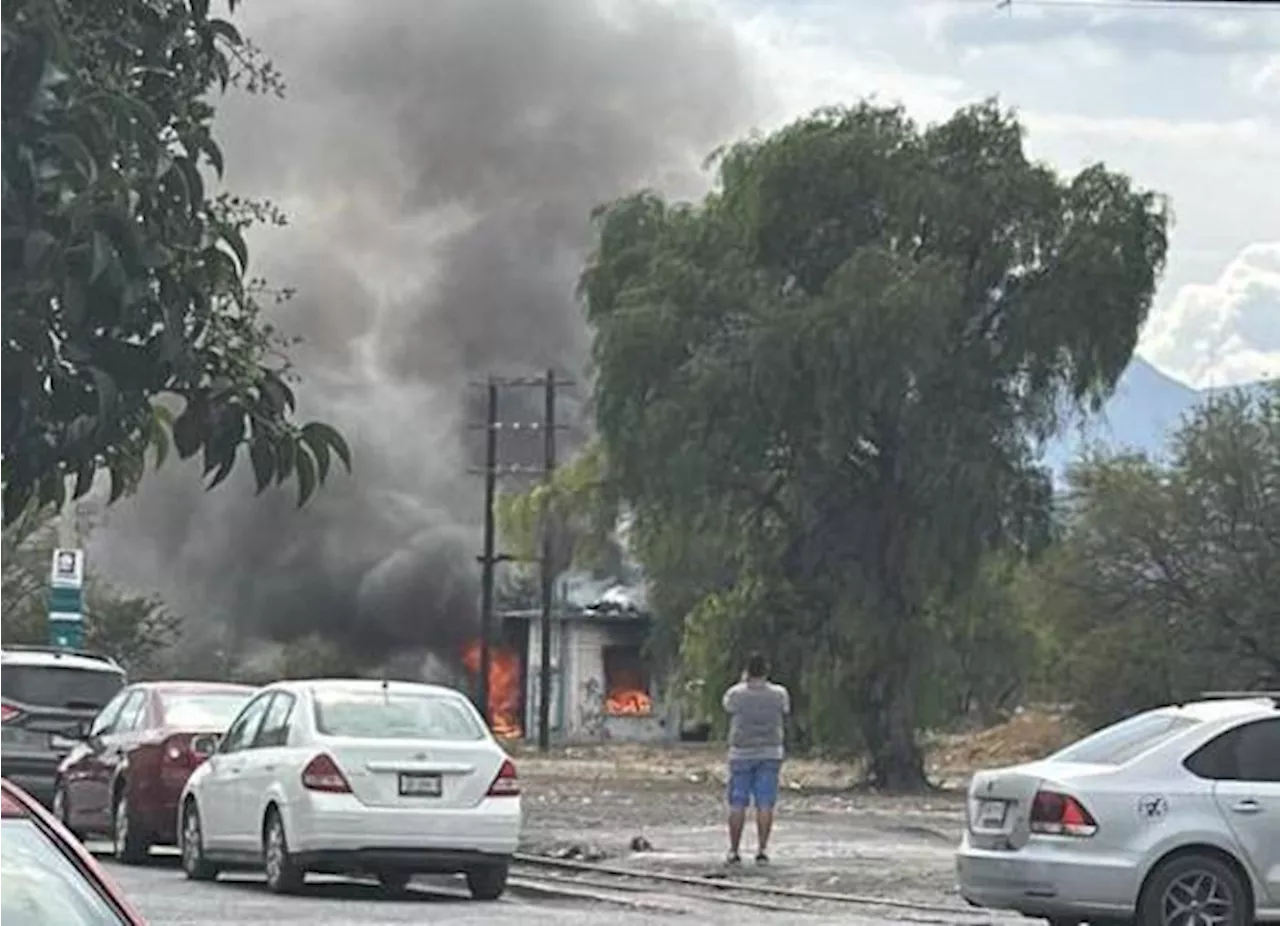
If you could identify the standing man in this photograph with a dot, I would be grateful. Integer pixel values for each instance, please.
(757, 711)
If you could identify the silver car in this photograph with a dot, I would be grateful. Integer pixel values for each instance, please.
(1171, 817)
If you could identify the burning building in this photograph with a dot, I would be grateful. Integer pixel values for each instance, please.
(602, 687)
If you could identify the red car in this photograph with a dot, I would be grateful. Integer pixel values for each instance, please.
(123, 780)
(48, 875)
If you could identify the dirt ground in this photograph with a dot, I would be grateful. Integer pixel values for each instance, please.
(661, 808)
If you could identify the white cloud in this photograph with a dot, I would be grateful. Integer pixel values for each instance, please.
(1225, 332)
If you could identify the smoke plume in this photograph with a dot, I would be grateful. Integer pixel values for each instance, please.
(439, 161)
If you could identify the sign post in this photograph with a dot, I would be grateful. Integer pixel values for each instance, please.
(66, 588)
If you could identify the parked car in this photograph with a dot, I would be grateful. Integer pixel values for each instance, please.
(1171, 817)
(124, 778)
(48, 696)
(355, 777)
(48, 875)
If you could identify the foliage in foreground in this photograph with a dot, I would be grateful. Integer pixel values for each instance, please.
(124, 280)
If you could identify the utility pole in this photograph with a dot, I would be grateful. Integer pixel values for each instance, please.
(547, 565)
(492, 470)
(487, 561)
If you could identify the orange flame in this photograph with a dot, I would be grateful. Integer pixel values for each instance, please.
(504, 687)
(629, 701)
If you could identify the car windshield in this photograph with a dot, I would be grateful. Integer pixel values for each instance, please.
(1128, 739)
(394, 715)
(200, 709)
(60, 686)
(42, 885)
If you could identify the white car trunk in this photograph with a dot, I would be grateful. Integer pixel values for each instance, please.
(422, 774)
(998, 812)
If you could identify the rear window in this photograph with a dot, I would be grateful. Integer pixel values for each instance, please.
(42, 885)
(201, 709)
(60, 686)
(394, 715)
(1128, 739)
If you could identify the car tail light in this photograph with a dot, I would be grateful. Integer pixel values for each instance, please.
(323, 774)
(176, 750)
(1055, 814)
(506, 784)
(9, 713)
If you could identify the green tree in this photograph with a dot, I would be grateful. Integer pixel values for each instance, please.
(835, 365)
(124, 280)
(1168, 579)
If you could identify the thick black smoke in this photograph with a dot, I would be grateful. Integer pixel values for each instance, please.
(439, 160)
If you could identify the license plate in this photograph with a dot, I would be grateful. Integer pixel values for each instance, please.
(991, 814)
(413, 784)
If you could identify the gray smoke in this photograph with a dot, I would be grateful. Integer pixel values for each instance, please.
(439, 160)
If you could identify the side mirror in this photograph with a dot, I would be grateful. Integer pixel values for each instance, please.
(205, 744)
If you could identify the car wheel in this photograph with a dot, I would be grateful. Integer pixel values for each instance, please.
(488, 881)
(283, 874)
(394, 882)
(191, 843)
(128, 842)
(1195, 890)
(62, 812)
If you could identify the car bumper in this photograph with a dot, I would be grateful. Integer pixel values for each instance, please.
(1047, 879)
(339, 823)
(34, 775)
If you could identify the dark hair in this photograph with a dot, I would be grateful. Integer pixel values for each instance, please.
(757, 665)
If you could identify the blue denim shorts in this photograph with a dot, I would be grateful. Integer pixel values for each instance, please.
(753, 781)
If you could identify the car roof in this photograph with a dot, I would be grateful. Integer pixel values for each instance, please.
(65, 659)
(365, 684)
(1227, 708)
(172, 687)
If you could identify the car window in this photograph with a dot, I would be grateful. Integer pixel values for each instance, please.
(60, 686)
(1250, 752)
(394, 715)
(202, 709)
(245, 727)
(106, 719)
(1126, 740)
(275, 723)
(130, 712)
(42, 885)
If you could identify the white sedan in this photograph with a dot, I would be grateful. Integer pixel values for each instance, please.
(354, 777)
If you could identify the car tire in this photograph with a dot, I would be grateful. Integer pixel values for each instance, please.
(129, 843)
(394, 882)
(283, 874)
(191, 845)
(62, 811)
(488, 882)
(1196, 877)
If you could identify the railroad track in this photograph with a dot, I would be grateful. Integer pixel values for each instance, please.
(662, 891)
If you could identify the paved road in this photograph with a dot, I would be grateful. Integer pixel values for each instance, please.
(166, 898)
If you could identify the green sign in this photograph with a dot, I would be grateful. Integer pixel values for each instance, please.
(64, 600)
(66, 633)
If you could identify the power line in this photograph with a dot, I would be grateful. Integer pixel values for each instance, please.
(1149, 6)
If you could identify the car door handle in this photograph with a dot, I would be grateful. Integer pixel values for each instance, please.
(1248, 805)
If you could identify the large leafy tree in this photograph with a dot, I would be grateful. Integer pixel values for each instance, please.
(1168, 579)
(124, 279)
(835, 366)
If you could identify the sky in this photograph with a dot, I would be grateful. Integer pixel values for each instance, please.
(1186, 99)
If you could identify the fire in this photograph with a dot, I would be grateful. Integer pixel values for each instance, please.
(628, 701)
(504, 687)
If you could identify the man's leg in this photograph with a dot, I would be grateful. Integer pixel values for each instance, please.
(766, 798)
(739, 794)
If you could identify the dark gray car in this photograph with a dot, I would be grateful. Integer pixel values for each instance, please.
(49, 697)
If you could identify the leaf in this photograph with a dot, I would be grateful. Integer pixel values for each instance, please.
(160, 440)
(75, 151)
(214, 153)
(108, 395)
(235, 240)
(286, 450)
(319, 431)
(276, 395)
(200, 10)
(104, 255)
(263, 459)
(225, 31)
(319, 447)
(53, 490)
(188, 431)
(35, 250)
(306, 465)
(84, 479)
(119, 482)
